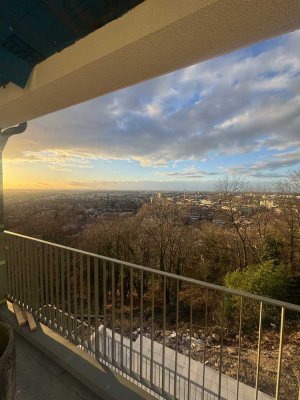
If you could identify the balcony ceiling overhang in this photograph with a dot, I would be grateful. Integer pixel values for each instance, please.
(33, 30)
(44, 67)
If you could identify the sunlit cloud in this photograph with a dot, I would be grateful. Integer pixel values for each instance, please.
(57, 158)
(191, 173)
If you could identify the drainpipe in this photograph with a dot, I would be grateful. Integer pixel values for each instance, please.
(4, 136)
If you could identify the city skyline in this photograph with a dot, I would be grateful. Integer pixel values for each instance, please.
(235, 114)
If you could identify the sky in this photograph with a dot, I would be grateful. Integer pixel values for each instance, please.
(238, 114)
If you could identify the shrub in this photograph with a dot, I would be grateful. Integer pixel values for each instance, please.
(265, 279)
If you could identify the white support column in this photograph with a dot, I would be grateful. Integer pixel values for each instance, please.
(4, 136)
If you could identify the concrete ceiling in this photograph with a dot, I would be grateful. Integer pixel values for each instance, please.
(154, 38)
(33, 30)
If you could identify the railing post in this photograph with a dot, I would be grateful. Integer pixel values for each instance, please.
(3, 272)
(4, 136)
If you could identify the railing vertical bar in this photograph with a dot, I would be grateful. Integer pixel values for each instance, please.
(190, 347)
(33, 277)
(280, 353)
(51, 286)
(28, 275)
(23, 269)
(221, 344)
(122, 314)
(20, 273)
(11, 267)
(20, 262)
(205, 342)
(104, 309)
(22, 291)
(164, 334)
(239, 349)
(37, 278)
(113, 310)
(8, 266)
(25, 273)
(13, 272)
(13, 260)
(146, 368)
(27, 278)
(11, 240)
(69, 294)
(27, 264)
(42, 284)
(62, 277)
(75, 286)
(89, 299)
(176, 345)
(16, 271)
(142, 322)
(131, 316)
(81, 302)
(258, 350)
(152, 328)
(46, 270)
(57, 302)
(96, 288)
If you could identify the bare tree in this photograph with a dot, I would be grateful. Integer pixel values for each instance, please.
(232, 205)
(290, 212)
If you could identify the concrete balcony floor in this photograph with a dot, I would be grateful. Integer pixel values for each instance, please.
(38, 377)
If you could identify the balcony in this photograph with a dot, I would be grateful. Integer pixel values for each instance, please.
(170, 336)
(123, 330)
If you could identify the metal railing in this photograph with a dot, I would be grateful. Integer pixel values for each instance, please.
(178, 337)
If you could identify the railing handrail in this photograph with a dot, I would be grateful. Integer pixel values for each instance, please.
(220, 288)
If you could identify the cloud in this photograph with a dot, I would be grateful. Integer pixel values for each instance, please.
(191, 173)
(240, 103)
(58, 159)
(267, 167)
